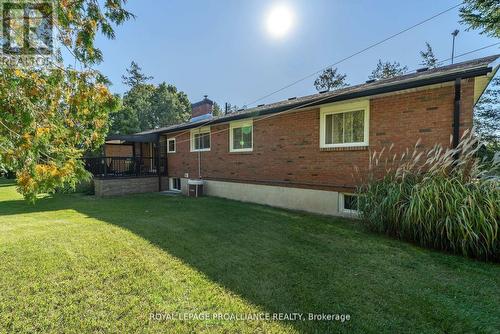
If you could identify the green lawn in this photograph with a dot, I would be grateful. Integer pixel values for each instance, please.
(76, 264)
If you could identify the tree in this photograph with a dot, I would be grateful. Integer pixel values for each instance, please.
(167, 107)
(79, 21)
(134, 76)
(146, 106)
(487, 119)
(385, 70)
(329, 80)
(136, 101)
(124, 120)
(48, 121)
(487, 112)
(217, 110)
(49, 117)
(230, 108)
(483, 15)
(428, 58)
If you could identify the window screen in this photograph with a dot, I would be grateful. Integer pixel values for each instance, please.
(242, 137)
(346, 127)
(202, 141)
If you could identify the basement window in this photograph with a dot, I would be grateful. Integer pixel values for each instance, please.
(344, 125)
(171, 147)
(241, 136)
(349, 203)
(175, 183)
(200, 139)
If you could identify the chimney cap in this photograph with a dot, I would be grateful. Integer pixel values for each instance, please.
(202, 102)
(205, 97)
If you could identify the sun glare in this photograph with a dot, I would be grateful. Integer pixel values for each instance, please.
(279, 21)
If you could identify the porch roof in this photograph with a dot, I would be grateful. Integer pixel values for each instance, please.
(136, 138)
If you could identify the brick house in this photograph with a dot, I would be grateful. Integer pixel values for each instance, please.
(299, 153)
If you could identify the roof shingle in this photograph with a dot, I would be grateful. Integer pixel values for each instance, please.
(471, 68)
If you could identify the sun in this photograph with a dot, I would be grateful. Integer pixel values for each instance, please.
(279, 21)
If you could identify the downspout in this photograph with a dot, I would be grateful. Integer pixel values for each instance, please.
(199, 157)
(166, 165)
(199, 165)
(158, 161)
(456, 113)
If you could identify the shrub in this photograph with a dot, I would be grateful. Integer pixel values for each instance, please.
(83, 187)
(441, 199)
(8, 174)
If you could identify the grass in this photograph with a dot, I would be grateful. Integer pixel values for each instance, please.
(75, 264)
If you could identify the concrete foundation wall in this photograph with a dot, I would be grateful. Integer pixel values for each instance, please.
(315, 201)
(124, 186)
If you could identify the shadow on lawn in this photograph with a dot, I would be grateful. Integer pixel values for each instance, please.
(278, 260)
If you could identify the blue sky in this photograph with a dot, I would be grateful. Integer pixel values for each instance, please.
(221, 47)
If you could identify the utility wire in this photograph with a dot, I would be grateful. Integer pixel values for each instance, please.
(354, 54)
(468, 52)
(303, 105)
(343, 59)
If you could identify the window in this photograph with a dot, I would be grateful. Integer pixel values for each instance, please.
(175, 183)
(344, 125)
(171, 145)
(241, 136)
(200, 139)
(349, 203)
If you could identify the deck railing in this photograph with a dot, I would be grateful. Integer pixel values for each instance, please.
(109, 167)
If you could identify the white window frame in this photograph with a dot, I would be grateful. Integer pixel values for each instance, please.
(205, 129)
(339, 108)
(168, 145)
(171, 184)
(342, 203)
(236, 125)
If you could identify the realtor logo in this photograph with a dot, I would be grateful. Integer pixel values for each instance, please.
(27, 28)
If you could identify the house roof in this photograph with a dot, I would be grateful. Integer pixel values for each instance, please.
(422, 77)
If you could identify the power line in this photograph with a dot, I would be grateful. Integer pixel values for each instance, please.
(355, 54)
(304, 105)
(466, 53)
(441, 62)
(346, 58)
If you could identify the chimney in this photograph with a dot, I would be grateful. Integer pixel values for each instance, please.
(202, 110)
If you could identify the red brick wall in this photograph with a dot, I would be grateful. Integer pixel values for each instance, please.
(286, 147)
